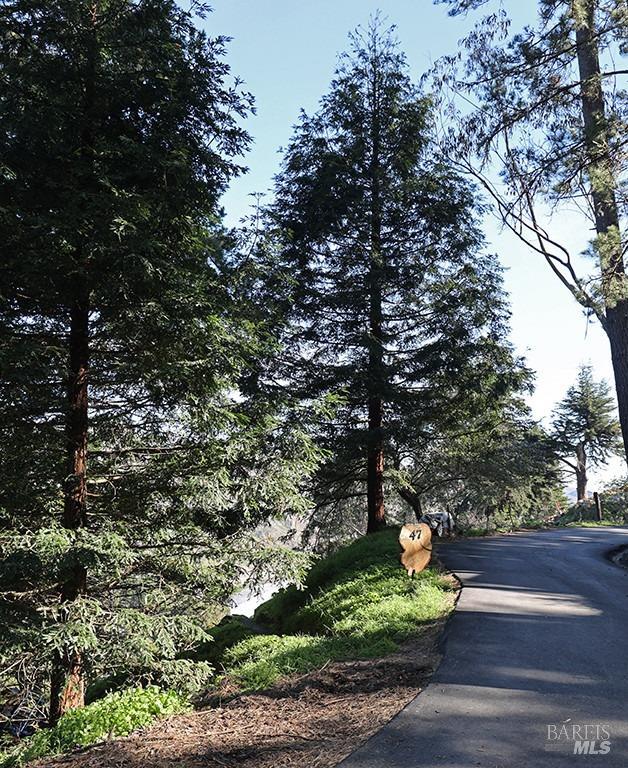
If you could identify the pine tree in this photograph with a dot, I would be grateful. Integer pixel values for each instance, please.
(551, 114)
(585, 427)
(128, 466)
(395, 307)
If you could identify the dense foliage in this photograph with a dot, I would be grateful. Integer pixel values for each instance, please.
(396, 307)
(130, 465)
(503, 475)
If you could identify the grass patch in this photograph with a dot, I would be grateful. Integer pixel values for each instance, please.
(358, 603)
(117, 714)
(260, 661)
(230, 631)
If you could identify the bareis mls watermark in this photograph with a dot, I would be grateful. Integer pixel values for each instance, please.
(587, 739)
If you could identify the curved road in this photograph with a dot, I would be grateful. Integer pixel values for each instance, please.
(537, 647)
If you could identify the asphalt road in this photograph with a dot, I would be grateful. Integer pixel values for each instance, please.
(538, 641)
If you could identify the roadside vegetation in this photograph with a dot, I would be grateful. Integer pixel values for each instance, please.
(356, 604)
(117, 714)
(614, 498)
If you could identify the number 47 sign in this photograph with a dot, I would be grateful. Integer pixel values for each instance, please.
(416, 543)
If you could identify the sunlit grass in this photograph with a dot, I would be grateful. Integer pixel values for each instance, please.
(358, 603)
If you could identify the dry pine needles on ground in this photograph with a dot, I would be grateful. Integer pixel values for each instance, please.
(315, 719)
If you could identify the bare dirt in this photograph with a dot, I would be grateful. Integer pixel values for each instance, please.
(315, 720)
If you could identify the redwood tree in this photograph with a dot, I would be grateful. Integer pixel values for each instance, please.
(395, 309)
(127, 466)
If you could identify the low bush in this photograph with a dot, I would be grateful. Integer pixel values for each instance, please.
(614, 512)
(117, 714)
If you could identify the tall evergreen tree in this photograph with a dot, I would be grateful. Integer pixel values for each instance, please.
(395, 308)
(551, 112)
(585, 427)
(128, 466)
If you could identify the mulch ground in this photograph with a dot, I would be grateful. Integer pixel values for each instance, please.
(314, 720)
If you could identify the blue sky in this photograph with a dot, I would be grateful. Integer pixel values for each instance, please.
(286, 51)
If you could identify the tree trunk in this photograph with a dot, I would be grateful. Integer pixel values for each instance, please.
(581, 472)
(604, 197)
(375, 448)
(413, 499)
(375, 456)
(67, 685)
(375, 469)
(617, 330)
(67, 682)
(67, 679)
(74, 511)
(581, 484)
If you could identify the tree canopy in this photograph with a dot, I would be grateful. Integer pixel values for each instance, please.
(544, 110)
(396, 308)
(585, 429)
(129, 463)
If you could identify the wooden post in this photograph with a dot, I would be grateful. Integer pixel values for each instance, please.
(598, 506)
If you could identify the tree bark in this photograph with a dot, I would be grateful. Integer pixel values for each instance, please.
(603, 193)
(75, 509)
(617, 330)
(375, 448)
(581, 472)
(67, 688)
(67, 683)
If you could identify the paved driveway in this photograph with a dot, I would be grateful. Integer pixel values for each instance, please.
(537, 647)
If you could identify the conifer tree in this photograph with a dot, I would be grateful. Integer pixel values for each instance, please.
(395, 307)
(128, 467)
(585, 427)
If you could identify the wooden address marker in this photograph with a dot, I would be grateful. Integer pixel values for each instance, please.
(416, 543)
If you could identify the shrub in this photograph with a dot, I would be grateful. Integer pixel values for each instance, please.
(231, 630)
(285, 602)
(117, 714)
